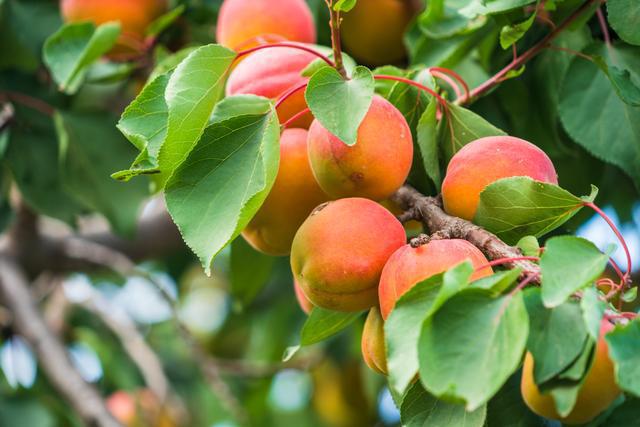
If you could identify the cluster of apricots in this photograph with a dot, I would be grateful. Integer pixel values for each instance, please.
(329, 207)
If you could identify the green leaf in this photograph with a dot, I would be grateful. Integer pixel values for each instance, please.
(593, 309)
(164, 21)
(498, 282)
(247, 282)
(427, 140)
(144, 123)
(569, 264)
(612, 131)
(495, 328)
(556, 336)
(624, 350)
(344, 5)
(339, 104)
(507, 408)
(630, 295)
(529, 246)
(216, 191)
(421, 409)
(509, 34)
(322, 323)
(565, 388)
(492, 7)
(91, 148)
(169, 62)
(519, 206)
(192, 91)
(624, 16)
(463, 126)
(74, 47)
(626, 89)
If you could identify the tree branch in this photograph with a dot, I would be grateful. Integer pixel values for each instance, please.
(429, 210)
(52, 355)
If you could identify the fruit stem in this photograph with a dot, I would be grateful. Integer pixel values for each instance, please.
(289, 93)
(285, 44)
(294, 118)
(334, 23)
(526, 56)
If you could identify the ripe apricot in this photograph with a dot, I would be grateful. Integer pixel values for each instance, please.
(294, 195)
(270, 73)
(134, 17)
(408, 266)
(598, 391)
(373, 30)
(372, 344)
(140, 407)
(339, 251)
(303, 301)
(375, 167)
(240, 21)
(485, 161)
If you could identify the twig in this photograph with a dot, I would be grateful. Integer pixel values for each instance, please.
(6, 115)
(603, 27)
(436, 220)
(334, 24)
(52, 355)
(28, 101)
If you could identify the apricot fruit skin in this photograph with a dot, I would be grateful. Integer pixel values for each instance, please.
(375, 167)
(485, 161)
(408, 266)
(134, 17)
(339, 251)
(240, 21)
(373, 30)
(597, 393)
(271, 73)
(294, 195)
(372, 344)
(303, 301)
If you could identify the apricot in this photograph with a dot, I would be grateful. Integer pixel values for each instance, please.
(140, 407)
(375, 167)
(271, 73)
(373, 30)
(372, 344)
(134, 17)
(598, 391)
(339, 252)
(294, 195)
(485, 161)
(303, 301)
(408, 266)
(240, 21)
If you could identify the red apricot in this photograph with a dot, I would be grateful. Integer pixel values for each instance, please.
(408, 266)
(294, 195)
(372, 344)
(240, 21)
(270, 73)
(596, 394)
(375, 167)
(303, 301)
(339, 252)
(485, 161)
(134, 17)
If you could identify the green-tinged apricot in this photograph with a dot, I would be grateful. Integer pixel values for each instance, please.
(597, 393)
(485, 161)
(271, 73)
(242, 21)
(375, 167)
(134, 17)
(408, 266)
(303, 301)
(373, 30)
(294, 195)
(372, 344)
(339, 252)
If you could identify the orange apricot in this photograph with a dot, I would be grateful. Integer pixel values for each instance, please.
(339, 252)
(485, 161)
(270, 73)
(408, 266)
(375, 167)
(240, 21)
(372, 344)
(294, 195)
(596, 394)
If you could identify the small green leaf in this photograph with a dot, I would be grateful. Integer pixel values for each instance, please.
(593, 309)
(624, 16)
(529, 246)
(495, 328)
(498, 282)
(247, 282)
(216, 191)
(626, 89)
(630, 295)
(427, 140)
(420, 409)
(509, 34)
(624, 350)
(569, 264)
(344, 5)
(519, 206)
(338, 104)
(164, 21)
(74, 47)
(322, 323)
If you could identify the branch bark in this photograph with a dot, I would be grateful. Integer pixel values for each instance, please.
(52, 355)
(429, 210)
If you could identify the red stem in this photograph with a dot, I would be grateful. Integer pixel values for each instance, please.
(294, 118)
(448, 80)
(456, 76)
(289, 45)
(290, 92)
(28, 101)
(502, 261)
(603, 26)
(415, 84)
